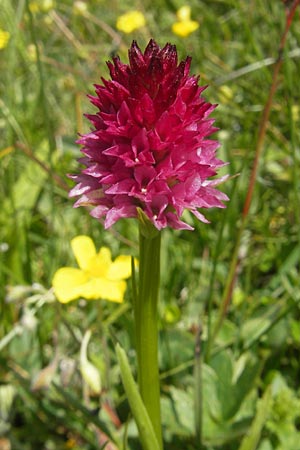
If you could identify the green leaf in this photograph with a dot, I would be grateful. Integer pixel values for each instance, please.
(182, 403)
(251, 439)
(146, 432)
(235, 379)
(254, 329)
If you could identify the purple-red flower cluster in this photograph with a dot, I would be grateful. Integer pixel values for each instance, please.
(149, 145)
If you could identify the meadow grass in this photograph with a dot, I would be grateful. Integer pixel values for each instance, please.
(240, 389)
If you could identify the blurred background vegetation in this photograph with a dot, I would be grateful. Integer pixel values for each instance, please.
(51, 53)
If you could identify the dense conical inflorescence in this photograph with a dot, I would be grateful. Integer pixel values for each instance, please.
(149, 145)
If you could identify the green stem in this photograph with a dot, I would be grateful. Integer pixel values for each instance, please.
(145, 311)
(198, 390)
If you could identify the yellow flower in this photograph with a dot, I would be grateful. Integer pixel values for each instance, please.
(185, 25)
(4, 38)
(38, 6)
(130, 21)
(97, 276)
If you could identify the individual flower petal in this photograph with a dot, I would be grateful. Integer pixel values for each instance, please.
(4, 38)
(120, 268)
(84, 249)
(99, 264)
(130, 21)
(184, 28)
(67, 283)
(97, 288)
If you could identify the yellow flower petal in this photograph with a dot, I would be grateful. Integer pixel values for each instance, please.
(184, 13)
(97, 288)
(4, 38)
(120, 268)
(99, 264)
(84, 249)
(67, 283)
(185, 28)
(130, 21)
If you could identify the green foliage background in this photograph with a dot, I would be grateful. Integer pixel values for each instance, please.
(250, 380)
